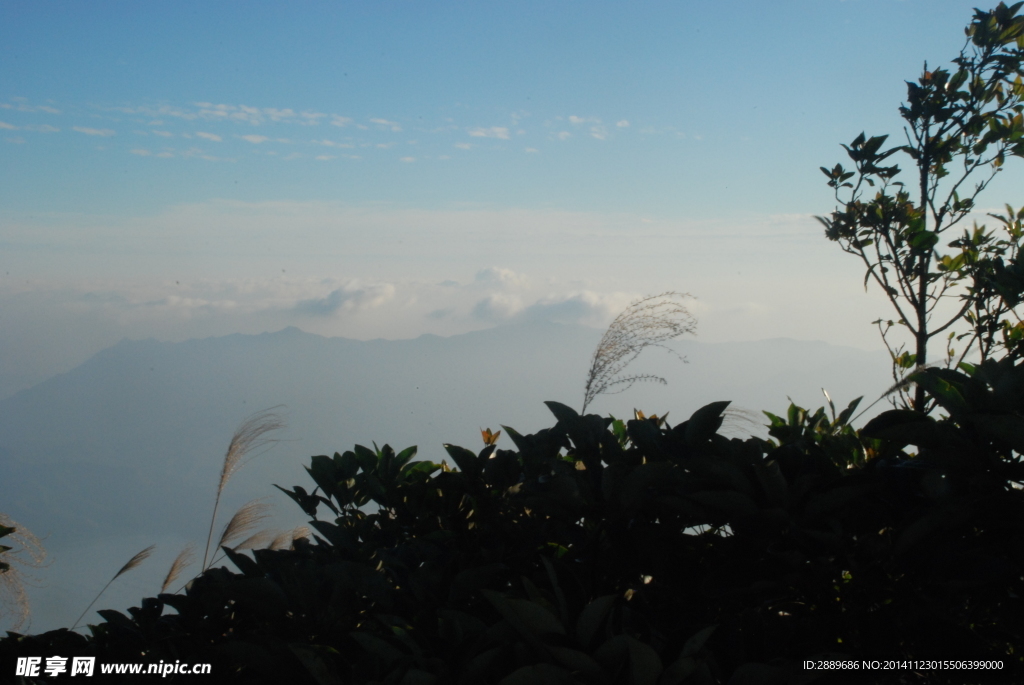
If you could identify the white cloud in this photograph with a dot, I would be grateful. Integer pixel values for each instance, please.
(622, 124)
(238, 113)
(156, 112)
(463, 146)
(141, 152)
(330, 143)
(207, 110)
(279, 114)
(255, 139)
(599, 132)
(563, 135)
(324, 158)
(17, 140)
(517, 117)
(532, 150)
(393, 125)
(226, 240)
(575, 120)
(102, 132)
(499, 276)
(492, 132)
(165, 154)
(349, 298)
(340, 121)
(408, 159)
(20, 106)
(42, 128)
(209, 136)
(199, 153)
(587, 308)
(163, 134)
(442, 313)
(496, 307)
(9, 127)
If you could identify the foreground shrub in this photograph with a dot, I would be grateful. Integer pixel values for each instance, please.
(601, 551)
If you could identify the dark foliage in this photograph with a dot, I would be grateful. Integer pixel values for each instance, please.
(961, 124)
(600, 551)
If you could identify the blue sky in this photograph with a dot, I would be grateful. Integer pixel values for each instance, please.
(674, 108)
(387, 169)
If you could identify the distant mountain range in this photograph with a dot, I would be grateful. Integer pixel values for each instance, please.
(126, 449)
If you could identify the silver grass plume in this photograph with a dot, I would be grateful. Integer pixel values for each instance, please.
(287, 539)
(250, 436)
(244, 521)
(648, 322)
(25, 551)
(184, 559)
(132, 563)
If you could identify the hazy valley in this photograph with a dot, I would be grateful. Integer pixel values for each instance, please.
(125, 450)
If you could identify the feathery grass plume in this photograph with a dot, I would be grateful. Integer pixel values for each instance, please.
(132, 563)
(645, 323)
(261, 538)
(281, 540)
(24, 552)
(287, 539)
(181, 562)
(244, 521)
(251, 435)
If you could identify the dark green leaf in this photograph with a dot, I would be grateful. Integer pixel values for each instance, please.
(592, 617)
(704, 423)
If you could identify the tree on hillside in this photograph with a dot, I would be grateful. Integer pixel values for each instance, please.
(961, 125)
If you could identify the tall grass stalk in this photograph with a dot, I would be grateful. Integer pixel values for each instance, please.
(266, 539)
(132, 563)
(250, 436)
(245, 520)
